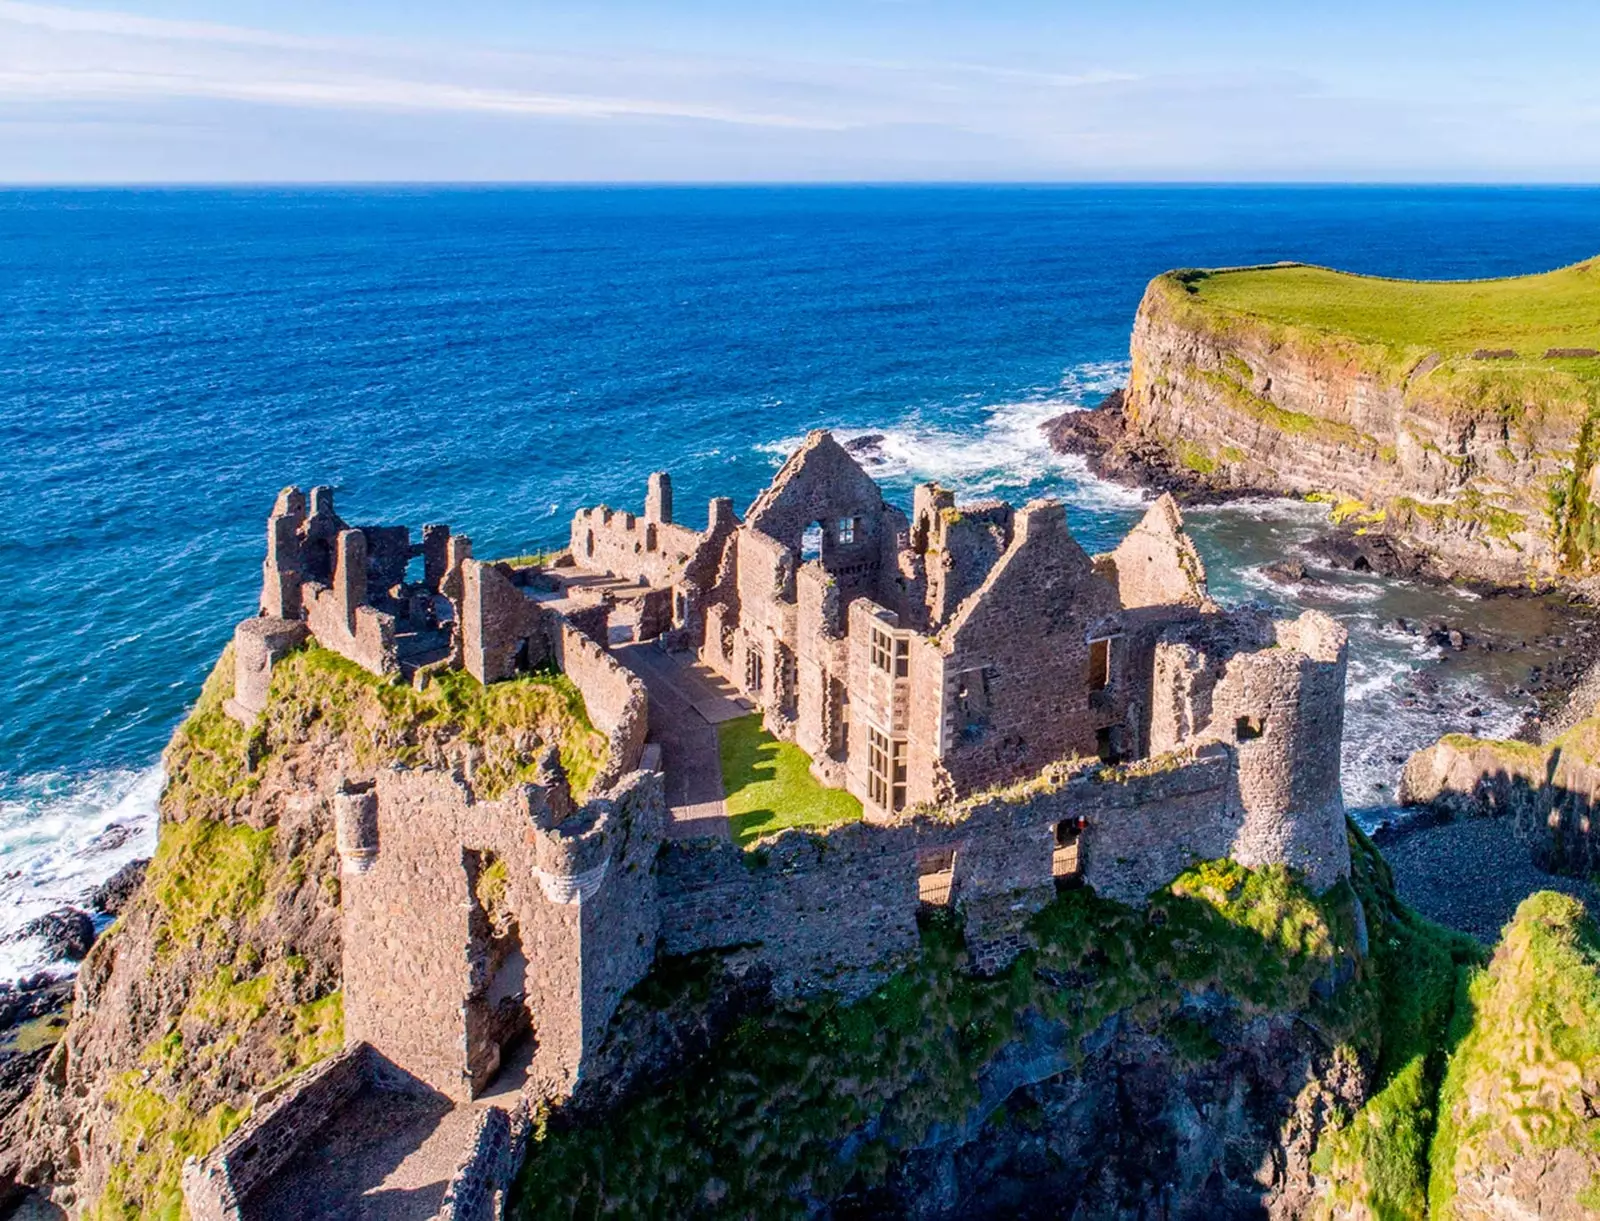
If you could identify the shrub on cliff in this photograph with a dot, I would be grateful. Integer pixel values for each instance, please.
(806, 1102)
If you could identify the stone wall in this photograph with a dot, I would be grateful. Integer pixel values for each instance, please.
(214, 1187)
(1273, 690)
(497, 622)
(337, 613)
(478, 1187)
(258, 645)
(1024, 636)
(838, 912)
(616, 700)
(633, 548)
(1157, 563)
(422, 981)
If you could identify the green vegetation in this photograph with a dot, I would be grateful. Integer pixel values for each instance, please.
(758, 1124)
(218, 890)
(207, 877)
(39, 1032)
(1530, 314)
(769, 785)
(1378, 1162)
(156, 1135)
(1529, 1041)
(212, 762)
(1196, 459)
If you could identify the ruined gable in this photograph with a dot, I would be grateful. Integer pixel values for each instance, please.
(1018, 665)
(820, 482)
(1157, 564)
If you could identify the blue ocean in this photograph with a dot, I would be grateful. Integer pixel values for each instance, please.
(495, 358)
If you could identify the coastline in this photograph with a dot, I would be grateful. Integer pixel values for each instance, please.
(1453, 870)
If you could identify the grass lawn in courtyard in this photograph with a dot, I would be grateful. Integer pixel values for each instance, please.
(769, 785)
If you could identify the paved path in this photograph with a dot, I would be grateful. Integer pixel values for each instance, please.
(383, 1157)
(687, 703)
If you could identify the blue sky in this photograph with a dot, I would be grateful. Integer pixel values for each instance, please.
(758, 90)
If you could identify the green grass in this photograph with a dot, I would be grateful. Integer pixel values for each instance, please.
(212, 762)
(769, 786)
(1377, 1163)
(1515, 1086)
(1558, 309)
(757, 1126)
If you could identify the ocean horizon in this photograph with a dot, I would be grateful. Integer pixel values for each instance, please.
(495, 356)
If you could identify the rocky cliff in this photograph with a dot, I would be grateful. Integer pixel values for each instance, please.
(221, 977)
(1481, 458)
(1519, 1121)
(1546, 793)
(1238, 1049)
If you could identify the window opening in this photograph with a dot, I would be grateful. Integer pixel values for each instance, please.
(897, 776)
(878, 768)
(902, 657)
(1248, 727)
(847, 531)
(936, 873)
(1099, 664)
(811, 543)
(1065, 862)
(752, 670)
(883, 651)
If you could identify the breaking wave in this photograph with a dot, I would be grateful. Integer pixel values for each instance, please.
(60, 838)
(1001, 449)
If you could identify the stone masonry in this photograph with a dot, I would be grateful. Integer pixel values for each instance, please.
(1015, 715)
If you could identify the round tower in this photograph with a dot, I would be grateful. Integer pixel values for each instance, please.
(1283, 708)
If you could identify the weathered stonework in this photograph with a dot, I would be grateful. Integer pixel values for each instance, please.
(1016, 716)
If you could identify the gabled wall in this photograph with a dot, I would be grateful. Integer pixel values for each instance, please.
(1024, 634)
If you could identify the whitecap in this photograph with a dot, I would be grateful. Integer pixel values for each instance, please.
(1007, 450)
(60, 837)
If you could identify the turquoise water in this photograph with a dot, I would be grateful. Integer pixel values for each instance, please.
(495, 358)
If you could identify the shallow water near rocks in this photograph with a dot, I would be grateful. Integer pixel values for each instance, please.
(496, 358)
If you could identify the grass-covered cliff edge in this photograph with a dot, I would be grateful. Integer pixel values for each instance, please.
(221, 978)
(1240, 1043)
(1459, 416)
(1240, 1046)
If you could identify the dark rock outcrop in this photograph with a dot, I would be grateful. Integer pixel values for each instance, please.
(112, 895)
(67, 933)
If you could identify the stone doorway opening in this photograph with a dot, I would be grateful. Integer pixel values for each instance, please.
(498, 1019)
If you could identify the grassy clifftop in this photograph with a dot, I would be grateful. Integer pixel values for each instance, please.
(1463, 416)
(1520, 1110)
(221, 977)
(1525, 314)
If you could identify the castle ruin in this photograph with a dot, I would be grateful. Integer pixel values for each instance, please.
(1013, 713)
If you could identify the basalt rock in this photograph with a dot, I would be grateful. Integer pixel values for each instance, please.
(112, 895)
(67, 933)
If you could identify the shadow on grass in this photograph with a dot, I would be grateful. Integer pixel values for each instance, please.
(768, 784)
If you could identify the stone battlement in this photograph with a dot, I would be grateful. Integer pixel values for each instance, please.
(1015, 715)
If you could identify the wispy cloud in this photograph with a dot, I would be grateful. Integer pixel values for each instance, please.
(203, 100)
(69, 54)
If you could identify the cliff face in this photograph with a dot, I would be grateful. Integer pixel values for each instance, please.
(221, 978)
(1239, 1048)
(1486, 467)
(1519, 1123)
(1546, 793)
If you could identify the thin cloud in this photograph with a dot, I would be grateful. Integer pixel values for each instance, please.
(94, 55)
(366, 92)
